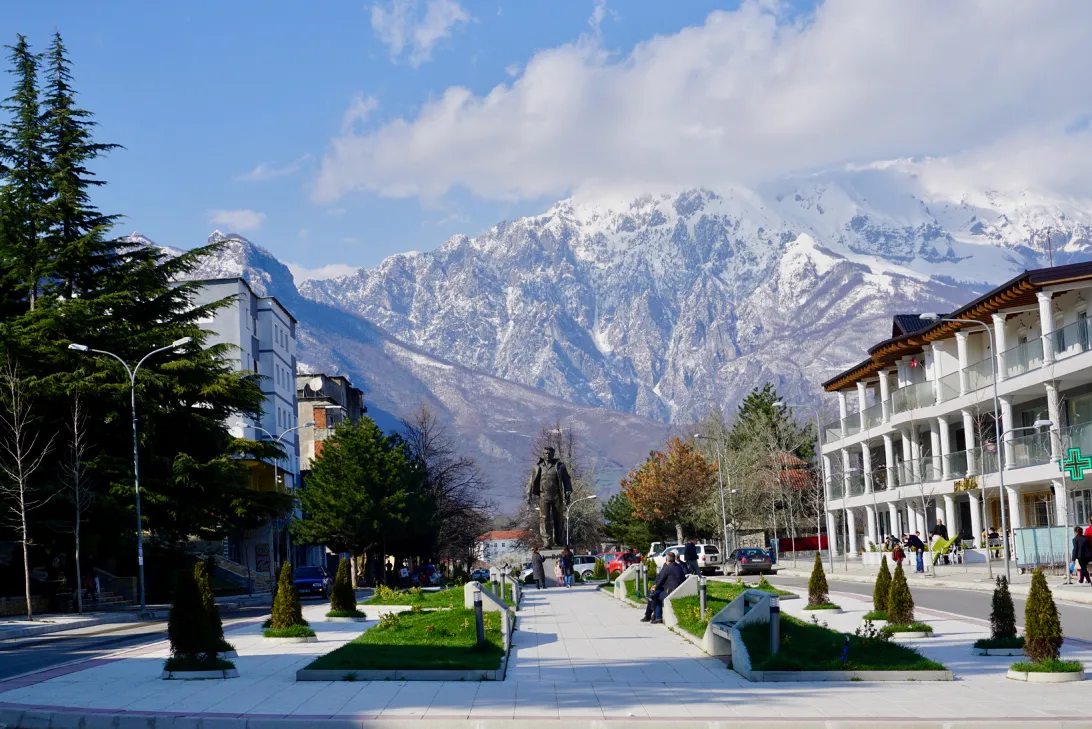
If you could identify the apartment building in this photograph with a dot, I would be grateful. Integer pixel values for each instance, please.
(916, 439)
(262, 335)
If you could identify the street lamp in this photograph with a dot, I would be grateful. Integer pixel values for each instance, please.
(720, 477)
(136, 450)
(1000, 427)
(822, 475)
(570, 506)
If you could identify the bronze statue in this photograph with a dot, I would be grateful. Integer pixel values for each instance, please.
(551, 486)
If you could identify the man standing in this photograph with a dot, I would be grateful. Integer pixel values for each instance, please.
(670, 577)
(1082, 553)
(538, 569)
(690, 556)
(1088, 529)
(940, 530)
(914, 540)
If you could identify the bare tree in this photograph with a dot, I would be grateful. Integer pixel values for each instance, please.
(21, 455)
(76, 483)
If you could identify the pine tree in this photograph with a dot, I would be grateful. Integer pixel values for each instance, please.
(651, 570)
(599, 571)
(1002, 612)
(817, 584)
(342, 597)
(212, 627)
(186, 623)
(287, 611)
(900, 603)
(883, 586)
(1042, 627)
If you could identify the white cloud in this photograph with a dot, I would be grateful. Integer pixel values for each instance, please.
(237, 221)
(746, 96)
(360, 108)
(269, 170)
(332, 270)
(416, 26)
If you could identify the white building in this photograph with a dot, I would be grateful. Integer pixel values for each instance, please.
(262, 335)
(494, 546)
(916, 441)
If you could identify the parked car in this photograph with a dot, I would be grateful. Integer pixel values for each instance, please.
(312, 581)
(622, 561)
(748, 561)
(655, 549)
(583, 565)
(709, 557)
(480, 575)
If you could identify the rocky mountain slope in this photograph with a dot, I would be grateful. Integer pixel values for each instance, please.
(493, 419)
(668, 305)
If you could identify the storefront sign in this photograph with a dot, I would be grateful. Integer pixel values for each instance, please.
(1075, 464)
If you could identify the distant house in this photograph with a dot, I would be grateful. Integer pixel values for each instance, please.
(494, 545)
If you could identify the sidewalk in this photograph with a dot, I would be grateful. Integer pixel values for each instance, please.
(580, 660)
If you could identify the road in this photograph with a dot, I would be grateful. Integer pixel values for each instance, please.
(1076, 619)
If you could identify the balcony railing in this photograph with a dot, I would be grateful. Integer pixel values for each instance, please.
(836, 486)
(1028, 450)
(949, 386)
(856, 484)
(1072, 339)
(911, 397)
(872, 417)
(980, 374)
(852, 424)
(832, 431)
(1024, 357)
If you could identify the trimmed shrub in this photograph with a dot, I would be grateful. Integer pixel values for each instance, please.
(286, 605)
(212, 628)
(614, 575)
(883, 586)
(1002, 612)
(185, 624)
(599, 572)
(342, 596)
(651, 570)
(1042, 627)
(900, 603)
(817, 584)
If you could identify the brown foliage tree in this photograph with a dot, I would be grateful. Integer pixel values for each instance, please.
(670, 485)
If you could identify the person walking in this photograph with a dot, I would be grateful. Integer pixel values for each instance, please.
(538, 569)
(668, 578)
(690, 556)
(566, 561)
(1088, 529)
(1082, 553)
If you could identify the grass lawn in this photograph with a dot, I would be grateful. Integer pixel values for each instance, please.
(608, 586)
(807, 647)
(1016, 642)
(717, 596)
(421, 641)
(1053, 665)
(452, 598)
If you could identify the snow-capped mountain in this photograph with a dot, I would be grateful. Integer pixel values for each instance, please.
(493, 420)
(669, 305)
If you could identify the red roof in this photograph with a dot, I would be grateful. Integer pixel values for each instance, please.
(496, 536)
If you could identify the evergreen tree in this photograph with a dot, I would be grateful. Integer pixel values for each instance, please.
(883, 586)
(623, 526)
(900, 603)
(817, 584)
(651, 570)
(1002, 611)
(287, 610)
(763, 412)
(342, 597)
(212, 627)
(599, 572)
(1042, 626)
(186, 623)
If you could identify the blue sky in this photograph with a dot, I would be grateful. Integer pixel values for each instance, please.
(338, 133)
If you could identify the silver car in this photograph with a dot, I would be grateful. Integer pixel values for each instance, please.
(583, 565)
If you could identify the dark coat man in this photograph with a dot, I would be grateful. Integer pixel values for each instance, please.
(538, 570)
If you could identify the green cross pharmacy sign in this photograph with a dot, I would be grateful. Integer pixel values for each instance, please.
(1075, 464)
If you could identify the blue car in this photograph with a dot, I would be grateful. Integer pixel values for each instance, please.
(312, 581)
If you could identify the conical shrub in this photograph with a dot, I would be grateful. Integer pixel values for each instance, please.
(286, 605)
(342, 597)
(212, 628)
(186, 622)
(1002, 611)
(883, 586)
(900, 603)
(1042, 627)
(817, 584)
(651, 570)
(599, 572)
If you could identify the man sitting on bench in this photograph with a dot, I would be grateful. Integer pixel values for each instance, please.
(670, 577)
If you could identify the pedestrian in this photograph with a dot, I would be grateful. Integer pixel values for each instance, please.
(914, 540)
(898, 554)
(940, 530)
(993, 539)
(538, 570)
(1088, 529)
(690, 556)
(559, 576)
(1082, 553)
(668, 578)
(566, 561)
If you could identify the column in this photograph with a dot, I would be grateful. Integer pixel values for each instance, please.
(885, 393)
(976, 519)
(889, 461)
(1006, 426)
(950, 516)
(866, 466)
(915, 470)
(826, 474)
(1016, 517)
(832, 533)
(1054, 412)
(1000, 345)
(911, 517)
(961, 352)
(870, 524)
(1046, 326)
(905, 471)
(862, 399)
(1061, 505)
(893, 517)
(845, 473)
(851, 523)
(843, 412)
(945, 448)
(969, 437)
(934, 447)
(938, 371)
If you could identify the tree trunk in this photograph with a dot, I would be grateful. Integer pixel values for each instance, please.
(678, 533)
(79, 574)
(352, 568)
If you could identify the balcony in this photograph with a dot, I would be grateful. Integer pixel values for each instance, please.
(872, 417)
(1029, 450)
(856, 484)
(912, 397)
(1024, 357)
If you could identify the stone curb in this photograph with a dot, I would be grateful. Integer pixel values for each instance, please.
(33, 630)
(1036, 677)
(811, 676)
(825, 611)
(199, 675)
(997, 651)
(361, 619)
(308, 639)
(306, 674)
(911, 634)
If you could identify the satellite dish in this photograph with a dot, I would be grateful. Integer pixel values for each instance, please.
(315, 384)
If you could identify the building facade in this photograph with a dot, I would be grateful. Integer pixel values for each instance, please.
(915, 440)
(494, 546)
(262, 335)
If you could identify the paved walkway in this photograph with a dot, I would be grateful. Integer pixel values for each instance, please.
(578, 657)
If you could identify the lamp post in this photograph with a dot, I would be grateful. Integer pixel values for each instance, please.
(720, 476)
(570, 506)
(277, 459)
(823, 476)
(132, 372)
(1000, 428)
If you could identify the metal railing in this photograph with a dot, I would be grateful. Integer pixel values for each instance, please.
(1024, 357)
(949, 387)
(1028, 450)
(856, 484)
(979, 374)
(852, 424)
(872, 416)
(1072, 339)
(832, 431)
(911, 397)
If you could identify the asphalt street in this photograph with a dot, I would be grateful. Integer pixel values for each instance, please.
(1076, 619)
